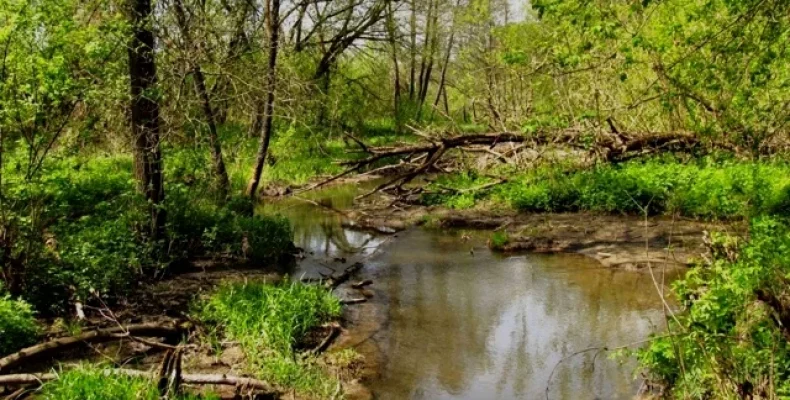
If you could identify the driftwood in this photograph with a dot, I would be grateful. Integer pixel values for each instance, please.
(192, 379)
(95, 336)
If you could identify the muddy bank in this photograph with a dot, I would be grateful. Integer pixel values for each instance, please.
(617, 241)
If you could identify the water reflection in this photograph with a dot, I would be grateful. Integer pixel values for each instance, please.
(318, 229)
(479, 326)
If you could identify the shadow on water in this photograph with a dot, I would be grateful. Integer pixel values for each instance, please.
(460, 322)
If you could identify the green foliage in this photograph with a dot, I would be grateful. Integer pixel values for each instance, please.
(498, 240)
(90, 382)
(18, 327)
(79, 229)
(699, 188)
(268, 321)
(456, 191)
(728, 341)
(200, 226)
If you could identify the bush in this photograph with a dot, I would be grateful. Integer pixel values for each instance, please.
(268, 321)
(201, 227)
(18, 328)
(730, 342)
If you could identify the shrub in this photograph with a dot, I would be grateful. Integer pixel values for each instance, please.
(18, 328)
(730, 342)
(201, 227)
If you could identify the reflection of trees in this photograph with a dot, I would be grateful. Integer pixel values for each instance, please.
(484, 327)
(320, 230)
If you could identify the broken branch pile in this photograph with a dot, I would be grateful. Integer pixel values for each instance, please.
(413, 160)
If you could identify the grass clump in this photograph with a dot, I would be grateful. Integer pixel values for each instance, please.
(268, 321)
(90, 382)
(730, 342)
(18, 327)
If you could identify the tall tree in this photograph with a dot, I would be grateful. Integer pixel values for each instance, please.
(273, 28)
(145, 114)
(218, 164)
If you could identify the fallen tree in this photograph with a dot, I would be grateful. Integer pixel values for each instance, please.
(413, 160)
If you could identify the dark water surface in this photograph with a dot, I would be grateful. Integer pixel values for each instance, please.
(460, 322)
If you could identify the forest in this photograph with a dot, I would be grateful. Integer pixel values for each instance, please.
(143, 144)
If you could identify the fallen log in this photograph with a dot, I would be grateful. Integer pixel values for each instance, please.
(192, 379)
(168, 330)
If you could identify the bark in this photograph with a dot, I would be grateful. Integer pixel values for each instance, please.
(145, 115)
(273, 26)
(97, 336)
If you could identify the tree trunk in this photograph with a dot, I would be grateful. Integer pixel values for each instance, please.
(412, 47)
(394, 48)
(145, 114)
(218, 164)
(273, 26)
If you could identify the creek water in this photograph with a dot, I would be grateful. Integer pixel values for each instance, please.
(456, 321)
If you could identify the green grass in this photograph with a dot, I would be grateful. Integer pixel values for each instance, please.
(268, 321)
(702, 188)
(88, 382)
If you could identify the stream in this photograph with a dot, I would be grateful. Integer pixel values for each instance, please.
(448, 319)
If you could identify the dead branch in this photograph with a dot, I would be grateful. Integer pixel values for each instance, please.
(353, 301)
(96, 336)
(191, 379)
(613, 147)
(334, 331)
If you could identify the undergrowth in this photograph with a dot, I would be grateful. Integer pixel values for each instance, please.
(705, 188)
(78, 230)
(731, 340)
(18, 327)
(268, 321)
